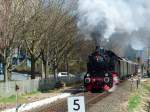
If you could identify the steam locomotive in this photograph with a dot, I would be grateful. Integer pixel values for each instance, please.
(105, 69)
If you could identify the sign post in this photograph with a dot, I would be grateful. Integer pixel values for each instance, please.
(76, 104)
(16, 88)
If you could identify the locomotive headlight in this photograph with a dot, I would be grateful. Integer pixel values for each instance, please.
(106, 74)
(106, 79)
(87, 80)
(88, 75)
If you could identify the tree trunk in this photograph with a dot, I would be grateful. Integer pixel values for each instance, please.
(5, 72)
(66, 65)
(5, 65)
(44, 69)
(55, 71)
(44, 66)
(43, 73)
(32, 67)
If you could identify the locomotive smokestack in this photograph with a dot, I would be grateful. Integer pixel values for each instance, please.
(97, 48)
(97, 35)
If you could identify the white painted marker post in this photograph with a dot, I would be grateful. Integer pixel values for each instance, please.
(76, 104)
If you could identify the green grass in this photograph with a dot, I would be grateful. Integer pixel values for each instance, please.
(137, 98)
(11, 99)
(21, 98)
(134, 102)
(147, 87)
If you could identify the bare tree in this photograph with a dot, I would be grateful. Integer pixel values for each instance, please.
(34, 29)
(60, 36)
(10, 28)
(45, 28)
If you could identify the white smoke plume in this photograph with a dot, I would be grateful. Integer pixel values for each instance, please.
(115, 16)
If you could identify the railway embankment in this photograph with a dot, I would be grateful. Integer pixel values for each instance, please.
(126, 98)
(139, 101)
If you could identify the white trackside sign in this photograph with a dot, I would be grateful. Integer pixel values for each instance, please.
(76, 104)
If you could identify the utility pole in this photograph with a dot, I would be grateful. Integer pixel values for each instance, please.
(148, 57)
(148, 61)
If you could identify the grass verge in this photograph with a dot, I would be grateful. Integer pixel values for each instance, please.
(139, 97)
(11, 99)
(21, 98)
(134, 103)
(146, 87)
(24, 98)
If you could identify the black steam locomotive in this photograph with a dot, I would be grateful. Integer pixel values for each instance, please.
(105, 68)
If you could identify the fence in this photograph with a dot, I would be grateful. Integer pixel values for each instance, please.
(29, 86)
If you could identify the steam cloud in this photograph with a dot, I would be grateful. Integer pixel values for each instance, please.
(106, 17)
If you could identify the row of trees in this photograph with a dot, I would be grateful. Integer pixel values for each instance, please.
(46, 29)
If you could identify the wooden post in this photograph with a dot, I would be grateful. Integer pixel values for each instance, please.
(148, 107)
(16, 89)
(131, 87)
(16, 101)
(137, 83)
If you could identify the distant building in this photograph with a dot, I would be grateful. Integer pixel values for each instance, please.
(146, 56)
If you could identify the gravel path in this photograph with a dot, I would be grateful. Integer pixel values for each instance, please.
(115, 102)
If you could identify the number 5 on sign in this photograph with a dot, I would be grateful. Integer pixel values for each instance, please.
(76, 104)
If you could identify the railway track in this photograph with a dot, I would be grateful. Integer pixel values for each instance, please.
(61, 105)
